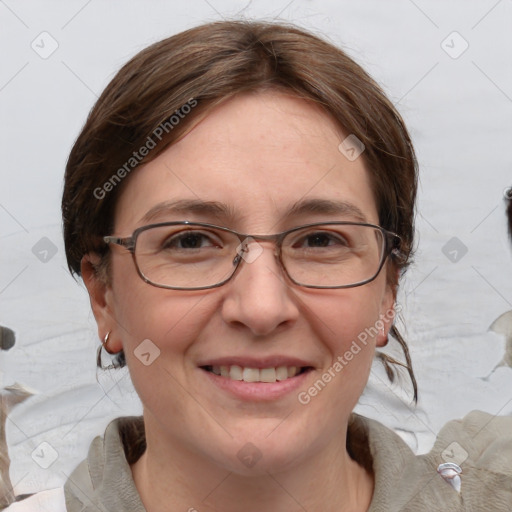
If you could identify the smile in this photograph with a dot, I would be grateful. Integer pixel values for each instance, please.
(247, 374)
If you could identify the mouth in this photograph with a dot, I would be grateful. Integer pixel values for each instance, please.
(267, 375)
(256, 379)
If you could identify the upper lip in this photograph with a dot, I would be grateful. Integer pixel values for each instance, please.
(256, 362)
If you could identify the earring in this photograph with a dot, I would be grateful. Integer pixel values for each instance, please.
(104, 342)
(117, 361)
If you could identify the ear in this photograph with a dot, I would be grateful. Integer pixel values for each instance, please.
(387, 314)
(102, 300)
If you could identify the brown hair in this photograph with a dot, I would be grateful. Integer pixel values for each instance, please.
(204, 66)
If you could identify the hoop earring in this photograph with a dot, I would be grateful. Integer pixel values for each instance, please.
(104, 342)
(116, 362)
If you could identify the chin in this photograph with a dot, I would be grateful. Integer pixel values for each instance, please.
(264, 448)
(253, 460)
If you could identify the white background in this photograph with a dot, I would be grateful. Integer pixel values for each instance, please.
(459, 111)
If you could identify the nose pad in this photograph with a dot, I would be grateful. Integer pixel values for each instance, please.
(249, 250)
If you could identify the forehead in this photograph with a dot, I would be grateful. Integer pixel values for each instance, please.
(258, 156)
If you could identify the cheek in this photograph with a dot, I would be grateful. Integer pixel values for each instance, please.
(159, 331)
(348, 316)
(170, 319)
(347, 324)
(342, 322)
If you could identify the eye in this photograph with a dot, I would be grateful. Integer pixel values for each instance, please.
(319, 239)
(190, 239)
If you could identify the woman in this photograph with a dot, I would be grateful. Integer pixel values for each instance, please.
(240, 207)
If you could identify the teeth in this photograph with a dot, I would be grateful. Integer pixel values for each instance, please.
(236, 372)
(292, 371)
(268, 375)
(281, 373)
(251, 375)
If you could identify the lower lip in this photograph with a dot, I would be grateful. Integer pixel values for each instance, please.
(258, 391)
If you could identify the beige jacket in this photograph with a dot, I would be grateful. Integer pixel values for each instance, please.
(481, 444)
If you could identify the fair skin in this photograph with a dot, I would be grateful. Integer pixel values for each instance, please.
(258, 155)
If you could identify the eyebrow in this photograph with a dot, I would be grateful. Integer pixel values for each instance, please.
(221, 210)
(327, 207)
(211, 208)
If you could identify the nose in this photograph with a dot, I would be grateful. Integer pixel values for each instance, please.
(259, 296)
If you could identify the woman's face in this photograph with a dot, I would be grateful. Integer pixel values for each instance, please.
(263, 158)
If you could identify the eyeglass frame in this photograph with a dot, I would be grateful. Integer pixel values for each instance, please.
(129, 243)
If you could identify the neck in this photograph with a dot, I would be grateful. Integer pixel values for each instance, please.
(173, 478)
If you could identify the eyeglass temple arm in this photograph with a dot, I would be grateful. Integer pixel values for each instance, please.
(127, 243)
(394, 247)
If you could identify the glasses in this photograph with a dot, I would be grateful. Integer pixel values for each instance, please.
(197, 256)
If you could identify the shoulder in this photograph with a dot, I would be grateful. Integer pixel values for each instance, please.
(43, 501)
(480, 445)
(104, 481)
(478, 440)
